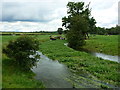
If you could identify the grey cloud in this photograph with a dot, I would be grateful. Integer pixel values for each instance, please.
(35, 11)
(47, 11)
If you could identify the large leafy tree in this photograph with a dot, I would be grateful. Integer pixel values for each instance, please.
(92, 26)
(76, 34)
(79, 22)
(79, 8)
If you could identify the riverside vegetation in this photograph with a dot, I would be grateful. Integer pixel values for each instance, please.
(107, 44)
(76, 61)
(16, 69)
(78, 23)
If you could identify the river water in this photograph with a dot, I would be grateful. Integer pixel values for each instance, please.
(106, 57)
(56, 75)
(103, 56)
(52, 73)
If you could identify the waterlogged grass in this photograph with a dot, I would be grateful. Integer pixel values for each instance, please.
(104, 44)
(78, 61)
(12, 76)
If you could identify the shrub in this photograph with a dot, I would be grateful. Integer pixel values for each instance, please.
(23, 51)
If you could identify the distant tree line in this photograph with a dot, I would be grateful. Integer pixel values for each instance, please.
(45, 32)
(102, 31)
(28, 33)
(107, 31)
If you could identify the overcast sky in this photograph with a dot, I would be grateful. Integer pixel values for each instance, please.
(46, 15)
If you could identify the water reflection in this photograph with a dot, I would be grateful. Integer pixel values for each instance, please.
(56, 75)
(103, 56)
(52, 73)
(107, 57)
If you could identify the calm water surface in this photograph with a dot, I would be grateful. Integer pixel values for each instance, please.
(52, 73)
(56, 75)
(103, 56)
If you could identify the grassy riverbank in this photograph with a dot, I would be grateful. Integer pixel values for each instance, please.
(12, 76)
(78, 61)
(103, 43)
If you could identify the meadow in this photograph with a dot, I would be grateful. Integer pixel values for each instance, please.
(107, 44)
(76, 61)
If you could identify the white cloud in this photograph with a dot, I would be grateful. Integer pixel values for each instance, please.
(48, 13)
(119, 13)
(106, 17)
(30, 26)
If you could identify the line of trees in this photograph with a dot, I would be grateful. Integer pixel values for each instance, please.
(107, 31)
(98, 31)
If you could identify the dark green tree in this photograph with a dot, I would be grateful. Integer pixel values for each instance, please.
(101, 31)
(60, 31)
(65, 31)
(114, 30)
(23, 52)
(76, 34)
(79, 21)
(108, 31)
(92, 26)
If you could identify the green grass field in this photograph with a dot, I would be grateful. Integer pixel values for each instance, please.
(76, 61)
(103, 44)
(0, 62)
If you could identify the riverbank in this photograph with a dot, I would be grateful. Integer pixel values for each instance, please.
(12, 76)
(103, 44)
(78, 61)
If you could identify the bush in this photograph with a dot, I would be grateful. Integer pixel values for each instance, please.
(23, 51)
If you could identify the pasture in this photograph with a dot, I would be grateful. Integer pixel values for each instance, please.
(76, 61)
(107, 44)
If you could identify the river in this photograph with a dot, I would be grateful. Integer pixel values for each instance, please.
(103, 56)
(56, 75)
